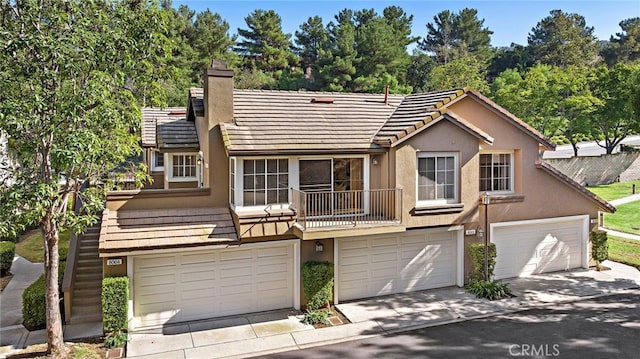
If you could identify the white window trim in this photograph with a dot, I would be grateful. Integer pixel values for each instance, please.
(511, 153)
(154, 154)
(456, 189)
(239, 185)
(294, 178)
(172, 178)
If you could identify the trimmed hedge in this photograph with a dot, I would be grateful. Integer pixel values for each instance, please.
(599, 245)
(34, 306)
(115, 303)
(476, 251)
(7, 252)
(34, 303)
(317, 280)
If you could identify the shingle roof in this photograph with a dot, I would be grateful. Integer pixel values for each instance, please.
(604, 205)
(289, 121)
(168, 128)
(128, 230)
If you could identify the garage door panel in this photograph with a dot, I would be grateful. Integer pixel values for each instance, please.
(395, 264)
(532, 247)
(149, 263)
(198, 285)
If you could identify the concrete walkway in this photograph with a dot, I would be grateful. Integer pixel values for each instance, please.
(273, 332)
(617, 202)
(13, 335)
(623, 200)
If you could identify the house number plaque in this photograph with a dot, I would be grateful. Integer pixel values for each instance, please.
(114, 262)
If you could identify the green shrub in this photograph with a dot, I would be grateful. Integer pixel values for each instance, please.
(476, 251)
(317, 279)
(491, 290)
(599, 245)
(34, 304)
(62, 254)
(317, 316)
(115, 303)
(116, 339)
(7, 252)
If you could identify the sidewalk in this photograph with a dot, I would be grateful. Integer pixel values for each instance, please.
(617, 202)
(254, 335)
(623, 200)
(13, 335)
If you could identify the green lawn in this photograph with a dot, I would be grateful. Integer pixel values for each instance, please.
(624, 250)
(626, 219)
(615, 190)
(31, 246)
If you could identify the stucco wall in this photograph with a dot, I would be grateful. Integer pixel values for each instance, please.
(604, 169)
(308, 253)
(442, 137)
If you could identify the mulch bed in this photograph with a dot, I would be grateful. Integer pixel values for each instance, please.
(4, 281)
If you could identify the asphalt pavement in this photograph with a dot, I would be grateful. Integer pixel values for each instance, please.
(602, 327)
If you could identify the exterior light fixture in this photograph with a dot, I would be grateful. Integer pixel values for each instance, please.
(319, 246)
(374, 160)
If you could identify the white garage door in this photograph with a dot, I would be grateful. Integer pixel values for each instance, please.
(538, 246)
(369, 266)
(206, 284)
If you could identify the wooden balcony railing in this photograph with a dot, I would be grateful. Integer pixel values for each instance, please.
(326, 209)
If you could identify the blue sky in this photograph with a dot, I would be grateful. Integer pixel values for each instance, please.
(510, 21)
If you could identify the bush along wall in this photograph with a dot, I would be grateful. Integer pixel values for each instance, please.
(7, 252)
(115, 303)
(599, 246)
(480, 286)
(317, 279)
(476, 251)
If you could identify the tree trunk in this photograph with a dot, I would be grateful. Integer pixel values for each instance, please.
(55, 337)
(575, 149)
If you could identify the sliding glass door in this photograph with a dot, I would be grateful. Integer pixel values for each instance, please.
(334, 186)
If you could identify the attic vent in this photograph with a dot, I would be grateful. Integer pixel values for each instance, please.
(178, 112)
(322, 100)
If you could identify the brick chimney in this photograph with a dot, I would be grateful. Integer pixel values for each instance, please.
(218, 93)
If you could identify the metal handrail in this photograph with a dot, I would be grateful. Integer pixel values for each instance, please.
(315, 209)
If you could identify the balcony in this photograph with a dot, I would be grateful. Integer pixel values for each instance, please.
(341, 212)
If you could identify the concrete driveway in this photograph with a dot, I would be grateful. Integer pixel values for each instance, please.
(279, 331)
(603, 327)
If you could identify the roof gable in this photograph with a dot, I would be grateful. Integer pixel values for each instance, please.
(604, 205)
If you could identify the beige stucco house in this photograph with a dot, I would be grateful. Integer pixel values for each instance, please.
(389, 188)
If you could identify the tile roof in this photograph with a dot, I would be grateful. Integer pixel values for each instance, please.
(168, 128)
(293, 121)
(604, 205)
(289, 121)
(128, 230)
(414, 112)
(196, 103)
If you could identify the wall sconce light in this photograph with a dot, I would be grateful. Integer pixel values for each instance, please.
(319, 246)
(374, 160)
(480, 232)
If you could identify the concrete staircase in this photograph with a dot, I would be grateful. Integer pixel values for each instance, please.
(86, 304)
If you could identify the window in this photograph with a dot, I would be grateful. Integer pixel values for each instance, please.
(266, 181)
(232, 181)
(183, 167)
(496, 172)
(437, 177)
(157, 161)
